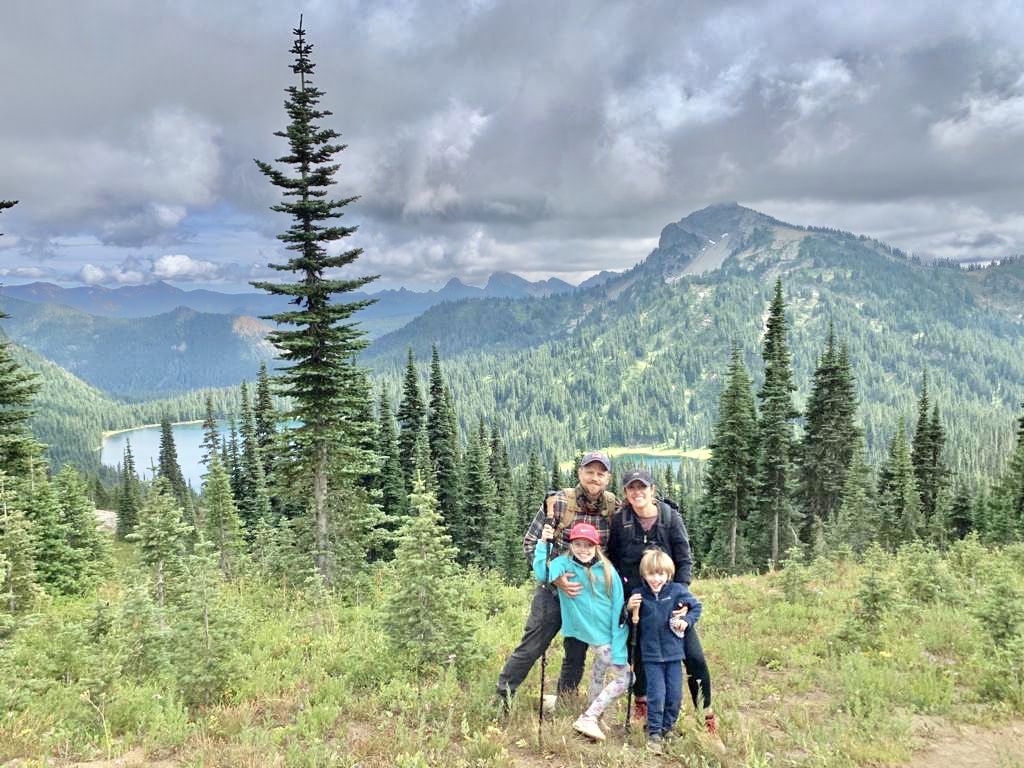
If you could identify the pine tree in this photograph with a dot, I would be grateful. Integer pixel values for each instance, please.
(78, 516)
(443, 442)
(410, 419)
(829, 437)
(169, 468)
(141, 629)
(323, 380)
(57, 563)
(1014, 481)
(394, 500)
(481, 541)
(926, 455)
(254, 501)
(775, 438)
(505, 511)
(130, 496)
(162, 536)
(233, 460)
(223, 527)
(961, 516)
(19, 585)
(266, 417)
(556, 475)
(18, 448)
(534, 485)
(898, 501)
(731, 483)
(422, 615)
(211, 437)
(204, 634)
(856, 522)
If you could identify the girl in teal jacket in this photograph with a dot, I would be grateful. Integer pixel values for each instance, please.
(593, 616)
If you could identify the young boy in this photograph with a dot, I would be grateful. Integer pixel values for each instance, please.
(661, 640)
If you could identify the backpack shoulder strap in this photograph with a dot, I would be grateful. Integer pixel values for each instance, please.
(571, 507)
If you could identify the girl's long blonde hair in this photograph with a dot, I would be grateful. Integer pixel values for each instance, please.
(606, 564)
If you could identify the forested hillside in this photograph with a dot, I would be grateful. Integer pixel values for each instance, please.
(142, 358)
(641, 359)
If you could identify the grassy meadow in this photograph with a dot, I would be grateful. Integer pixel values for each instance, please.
(830, 663)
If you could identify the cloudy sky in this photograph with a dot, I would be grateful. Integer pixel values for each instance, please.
(545, 138)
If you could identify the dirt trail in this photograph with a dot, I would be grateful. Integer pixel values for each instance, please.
(967, 746)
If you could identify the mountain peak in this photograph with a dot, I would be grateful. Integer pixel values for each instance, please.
(726, 218)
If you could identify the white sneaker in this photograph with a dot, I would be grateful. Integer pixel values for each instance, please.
(548, 704)
(588, 727)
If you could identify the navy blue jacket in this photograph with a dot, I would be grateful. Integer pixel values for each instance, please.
(658, 643)
(627, 542)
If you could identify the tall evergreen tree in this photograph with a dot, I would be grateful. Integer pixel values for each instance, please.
(17, 388)
(534, 485)
(730, 488)
(57, 563)
(411, 416)
(926, 454)
(478, 541)
(162, 536)
(130, 496)
(505, 511)
(555, 482)
(856, 521)
(898, 501)
(829, 437)
(223, 527)
(78, 516)
(961, 513)
(394, 500)
(775, 472)
(1004, 511)
(421, 616)
(211, 437)
(254, 501)
(233, 460)
(319, 337)
(169, 468)
(265, 415)
(19, 583)
(444, 442)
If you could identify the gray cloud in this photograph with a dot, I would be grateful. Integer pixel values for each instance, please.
(546, 138)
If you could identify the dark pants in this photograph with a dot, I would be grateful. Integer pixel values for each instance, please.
(698, 678)
(542, 625)
(664, 695)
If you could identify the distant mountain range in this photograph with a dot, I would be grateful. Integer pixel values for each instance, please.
(142, 358)
(133, 301)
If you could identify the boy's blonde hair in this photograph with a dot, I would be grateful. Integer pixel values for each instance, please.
(656, 561)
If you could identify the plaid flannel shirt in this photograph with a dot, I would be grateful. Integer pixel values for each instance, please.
(586, 512)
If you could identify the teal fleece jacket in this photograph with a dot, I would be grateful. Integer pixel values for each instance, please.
(592, 616)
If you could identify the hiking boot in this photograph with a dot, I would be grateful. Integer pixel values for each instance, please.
(640, 710)
(711, 725)
(549, 702)
(504, 704)
(654, 745)
(588, 727)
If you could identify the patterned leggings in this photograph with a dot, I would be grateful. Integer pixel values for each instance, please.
(599, 695)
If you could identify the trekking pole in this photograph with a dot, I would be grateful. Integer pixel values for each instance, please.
(554, 511)
(632, 664)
